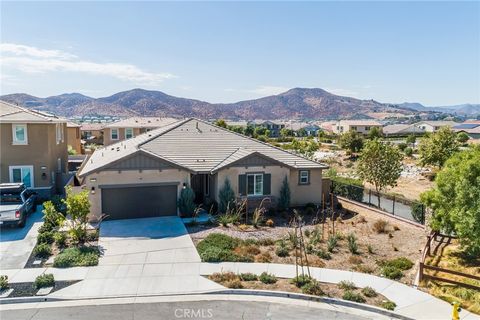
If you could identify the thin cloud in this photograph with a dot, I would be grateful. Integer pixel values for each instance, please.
(342, 92)
(34, 60)
(269, 90)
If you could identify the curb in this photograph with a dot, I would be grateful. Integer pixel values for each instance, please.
(306, 297)
(28, 300)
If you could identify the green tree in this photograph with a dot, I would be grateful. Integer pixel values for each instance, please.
(301, 132)
(462, 137)
(351, 141)
(78, 208)
(436, 148)
(375, 133)
(285, 132)
(249, 130)
(411, 139)
(284, 199)
(186, 203)
(260, 131)
(71, 151)
(380, 164)
(455, 199)
(226, 196)
(221, 123)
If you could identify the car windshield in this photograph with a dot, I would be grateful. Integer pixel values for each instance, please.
(10, 198)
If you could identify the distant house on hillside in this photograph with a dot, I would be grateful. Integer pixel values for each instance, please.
(402, 130)
(359, 126)
(470, 127)
(434, 126)
(273, 127)
(132, 127)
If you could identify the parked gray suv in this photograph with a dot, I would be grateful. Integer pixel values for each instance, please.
(16, 202)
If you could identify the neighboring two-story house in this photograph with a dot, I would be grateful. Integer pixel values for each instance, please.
(132, 127)
(73, 137)
(33, 149)
(434, 126)
(359, 126)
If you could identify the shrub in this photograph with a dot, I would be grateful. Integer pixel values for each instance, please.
(389, 305)
(248, 277)
(363, 268)
(301, 280)
(402, 146)
(408, 151)
(258, 216)
(380, 226)
(44, 281)
(392, 272)
(42, 250)
(223, 276)
(352, 243)
(346, 285)
(321, 253)
(60, 238)
(46, 237)
(270, 223)
(216, 254)
(226, 196)
(369, 292)
(355, 260)
(265, 257)
(282, 250)
(233, 284)
(267, 278)
(332, 243)
(266, 242)
(93, 235)
(313, 288)
(224, 219)
(51, 216)
(3, 282)
(186, 202)
(284, 199)
(77, 257)
(417, 211)
(247, 250)
(370, 249)
(353, 296)
(401, 263)
(348, 188)
(218, 240)
(46, 227)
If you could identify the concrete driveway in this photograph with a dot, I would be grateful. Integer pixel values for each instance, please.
(146, 241)
(16, 244)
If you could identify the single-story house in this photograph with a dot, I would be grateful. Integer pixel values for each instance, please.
(144, 176)
(471, 128)
(359, 126)
(434, 126)
(402, 130)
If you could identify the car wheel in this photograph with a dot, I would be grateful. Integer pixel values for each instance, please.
(21, 223)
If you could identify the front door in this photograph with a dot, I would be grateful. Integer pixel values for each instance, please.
(200, 184)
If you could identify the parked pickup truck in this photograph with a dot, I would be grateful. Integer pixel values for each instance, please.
(16, 202)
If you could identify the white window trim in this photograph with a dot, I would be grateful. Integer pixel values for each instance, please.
(59, 133)
(307, 176)
(254, 175)
(126, 133)
(14, 134)
(10, 169)
(111, 134)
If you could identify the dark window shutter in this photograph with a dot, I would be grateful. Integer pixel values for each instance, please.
(267, 182)
(242, 184)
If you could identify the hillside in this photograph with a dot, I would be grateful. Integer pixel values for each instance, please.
(295, 103)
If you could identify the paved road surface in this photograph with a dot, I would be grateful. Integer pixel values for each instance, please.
(217, 310)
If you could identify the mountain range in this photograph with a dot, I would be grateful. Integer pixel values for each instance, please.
(296, 103)
(460, 109)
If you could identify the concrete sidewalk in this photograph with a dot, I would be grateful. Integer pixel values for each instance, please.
(186, 278)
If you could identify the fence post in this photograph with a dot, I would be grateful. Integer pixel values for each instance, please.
(423, 214)
(420, 273)
(369, 197)
(393, 209)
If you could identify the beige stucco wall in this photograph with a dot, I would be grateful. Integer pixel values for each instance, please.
(121, 135)
(41, 151)
(130, 177)
(303, 194)
(73, 139)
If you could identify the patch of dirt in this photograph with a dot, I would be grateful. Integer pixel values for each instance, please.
(329, 289)
(399, 240)
(27, 289)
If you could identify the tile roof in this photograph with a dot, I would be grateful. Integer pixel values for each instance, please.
(196, 146)
(398, 128)
(92, 126)
(360, 123)
(142, 122)
(10, 113)
(439, 123)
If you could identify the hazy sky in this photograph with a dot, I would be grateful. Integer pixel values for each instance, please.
(426, 52)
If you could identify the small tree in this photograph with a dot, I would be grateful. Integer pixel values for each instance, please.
(249, 130)
(302, 132)
(285, 132)
(226, 196)
(186, 203)
(436, 148)
(71, 151)
(411, 139)
(462, 137)
(78, 208)
(351, 141)
(50, 215)
(455, 199)
(284, 199)
(375, 133)
(380, 164)
(221, 123)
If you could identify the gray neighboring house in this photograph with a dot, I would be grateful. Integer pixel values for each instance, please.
(402, 130)
(435, 125)
(144, 176)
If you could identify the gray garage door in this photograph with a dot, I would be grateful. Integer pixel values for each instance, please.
(139, 202)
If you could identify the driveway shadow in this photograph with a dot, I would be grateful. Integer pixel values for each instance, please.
(147, 228)
(11, 233)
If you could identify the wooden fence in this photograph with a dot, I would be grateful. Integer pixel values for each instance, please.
(439, 240)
